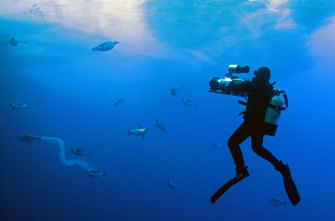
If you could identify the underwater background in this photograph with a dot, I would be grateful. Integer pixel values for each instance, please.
(72, 91)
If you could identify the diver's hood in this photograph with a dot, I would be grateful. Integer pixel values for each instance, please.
(263, 74)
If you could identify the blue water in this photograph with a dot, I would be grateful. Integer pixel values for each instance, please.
(71, 92)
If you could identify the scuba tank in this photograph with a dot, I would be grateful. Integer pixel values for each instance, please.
(272, 115)
(275, 107)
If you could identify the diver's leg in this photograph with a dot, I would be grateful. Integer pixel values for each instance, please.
(291, 189)
(240, 135)
(257, 147)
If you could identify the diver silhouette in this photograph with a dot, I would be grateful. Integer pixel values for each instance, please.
(259, 95)
(259, 92)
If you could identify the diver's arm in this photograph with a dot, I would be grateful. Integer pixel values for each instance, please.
(242, 87)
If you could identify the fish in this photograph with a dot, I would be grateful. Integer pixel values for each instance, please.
(105, 46)
(119, 101)
(173, 91)
(81, 151)
(188, 102)
(217, 145)
(13, 42)
(95, 173)
(171, 184)
(140, 131)
(159, 124)
(276, 202)
(29, 138)
(18, 106)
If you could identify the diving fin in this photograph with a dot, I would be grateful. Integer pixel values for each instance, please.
(291, 189)
(225, 187)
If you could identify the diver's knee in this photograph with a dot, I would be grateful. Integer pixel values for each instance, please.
(231, 143)
(258, 149)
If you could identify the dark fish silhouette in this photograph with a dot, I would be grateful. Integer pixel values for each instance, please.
(174, 90)
(95, 173)
(81, 151)
(29, 138)
(159, 124)
(106, 46)
(119, 101)
(171, 184)
(14, 42)
(276, 202)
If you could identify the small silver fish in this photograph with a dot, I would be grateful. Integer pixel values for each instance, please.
(18, 106)
(188, 102)
(140, 131)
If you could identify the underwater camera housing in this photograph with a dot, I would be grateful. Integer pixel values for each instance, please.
(225, 85)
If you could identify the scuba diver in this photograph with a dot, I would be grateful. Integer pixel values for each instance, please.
(259, 95)
(262, 98)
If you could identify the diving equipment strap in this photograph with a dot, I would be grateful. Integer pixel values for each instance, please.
(242, 102)
(271, 105)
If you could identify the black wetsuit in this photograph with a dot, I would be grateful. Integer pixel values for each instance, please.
(259, 95)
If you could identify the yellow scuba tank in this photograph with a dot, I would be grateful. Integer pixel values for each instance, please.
(275, 107)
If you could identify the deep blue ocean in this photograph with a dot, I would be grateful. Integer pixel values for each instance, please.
(71, 92)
